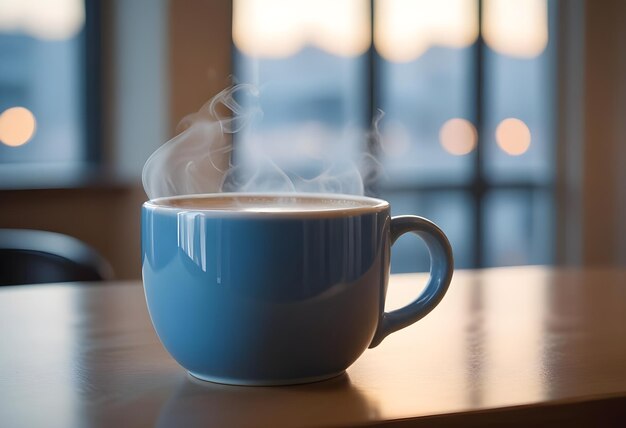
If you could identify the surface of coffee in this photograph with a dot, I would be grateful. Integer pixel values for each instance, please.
(271, 203)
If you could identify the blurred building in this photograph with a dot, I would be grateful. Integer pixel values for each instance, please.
(503, 120)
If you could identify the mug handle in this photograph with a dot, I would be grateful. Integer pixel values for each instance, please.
(441, 267)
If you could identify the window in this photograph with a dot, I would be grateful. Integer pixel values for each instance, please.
(465, 85)
(48, 111)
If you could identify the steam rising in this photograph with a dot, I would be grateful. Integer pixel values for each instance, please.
(307, 158)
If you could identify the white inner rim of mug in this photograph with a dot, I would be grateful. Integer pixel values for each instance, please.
(272, 204)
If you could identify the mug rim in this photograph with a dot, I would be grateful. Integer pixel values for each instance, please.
(370, 205)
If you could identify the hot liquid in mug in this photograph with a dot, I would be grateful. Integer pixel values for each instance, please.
(277, 289)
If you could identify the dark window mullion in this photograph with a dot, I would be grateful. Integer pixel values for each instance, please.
(479, 184)
(92, 52)
(440, 187)
(372, 84)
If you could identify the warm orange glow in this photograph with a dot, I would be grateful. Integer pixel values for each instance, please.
(405, 29)
(516, 28)
(513, 136)
(279, 28)
(49, 19)
(458, 136)
(17, 126)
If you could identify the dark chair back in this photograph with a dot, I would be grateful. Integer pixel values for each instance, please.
(35, 257)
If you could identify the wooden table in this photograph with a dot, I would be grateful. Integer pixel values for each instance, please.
(517, 346)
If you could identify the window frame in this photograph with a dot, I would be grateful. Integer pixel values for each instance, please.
(92, 83)
(478, 186)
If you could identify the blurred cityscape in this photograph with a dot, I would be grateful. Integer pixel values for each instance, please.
(428, 137)
(41, 82)
(425, 84)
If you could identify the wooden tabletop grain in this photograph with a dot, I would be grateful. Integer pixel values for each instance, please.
(517, 346)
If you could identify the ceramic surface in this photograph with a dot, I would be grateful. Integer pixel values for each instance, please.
(260, 298)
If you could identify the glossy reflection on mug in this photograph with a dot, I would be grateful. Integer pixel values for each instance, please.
(268, 289)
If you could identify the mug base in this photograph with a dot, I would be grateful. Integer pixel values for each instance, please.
(263, 382)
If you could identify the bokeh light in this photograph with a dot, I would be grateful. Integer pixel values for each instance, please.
(279, 28)
(513, 136)
(516, 28)
(17, 126)
(405, 29)
(458, 136)
(48, 20)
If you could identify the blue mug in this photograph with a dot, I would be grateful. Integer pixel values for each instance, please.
(252, 289)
